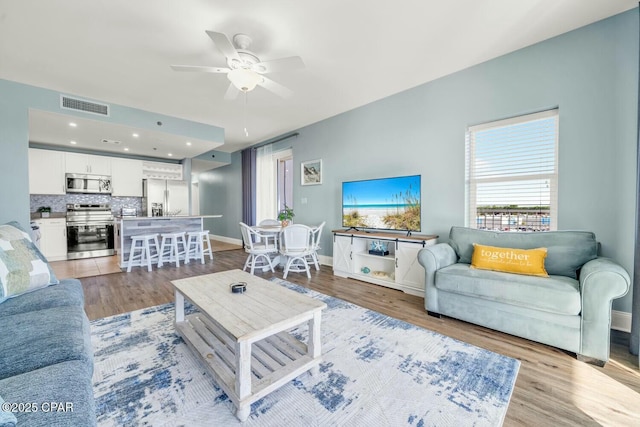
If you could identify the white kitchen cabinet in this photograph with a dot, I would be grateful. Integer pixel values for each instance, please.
(117, 239)
(87, 164)
(399, 269)
(46, 171)
(53, 238)
(160, 170)
(126, 177)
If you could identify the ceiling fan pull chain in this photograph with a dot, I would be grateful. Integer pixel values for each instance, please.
(246, 132)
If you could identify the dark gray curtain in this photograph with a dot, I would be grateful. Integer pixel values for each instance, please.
(249, 186)
(634, 343)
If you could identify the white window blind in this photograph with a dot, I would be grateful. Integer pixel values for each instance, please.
(512, 173)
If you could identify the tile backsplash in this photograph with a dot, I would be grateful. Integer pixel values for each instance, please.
(59, 203)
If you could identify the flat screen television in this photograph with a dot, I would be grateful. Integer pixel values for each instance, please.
(382, 204)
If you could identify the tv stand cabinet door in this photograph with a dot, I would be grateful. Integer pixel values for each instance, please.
(344, 250)
(409, 272)
(342, 256)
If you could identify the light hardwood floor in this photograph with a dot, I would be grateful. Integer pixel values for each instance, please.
(552, 389)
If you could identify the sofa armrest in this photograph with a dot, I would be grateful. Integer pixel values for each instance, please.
(433, 258)
(437, 256)
(601, 281)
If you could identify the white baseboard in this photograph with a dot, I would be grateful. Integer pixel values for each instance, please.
(621, 321)
(325, 260)
(226, 239)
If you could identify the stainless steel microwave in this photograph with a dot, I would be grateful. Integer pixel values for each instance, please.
(80, 183)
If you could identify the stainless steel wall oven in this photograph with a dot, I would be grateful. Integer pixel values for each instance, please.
(90, 231)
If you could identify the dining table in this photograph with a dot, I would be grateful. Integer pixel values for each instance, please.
(272, 230)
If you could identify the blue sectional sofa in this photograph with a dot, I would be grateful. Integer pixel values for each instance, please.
(570, 309)
(46, 358)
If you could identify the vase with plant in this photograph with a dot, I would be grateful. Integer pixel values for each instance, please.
(286, 215)
(45, 211)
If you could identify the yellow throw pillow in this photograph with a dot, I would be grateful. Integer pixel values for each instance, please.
(508, 260)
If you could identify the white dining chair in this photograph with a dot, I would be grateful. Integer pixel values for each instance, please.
(296, 247)
(259, 246)
(269, 222)
(316, 233)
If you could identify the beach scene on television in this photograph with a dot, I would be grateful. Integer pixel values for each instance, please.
(386, 203)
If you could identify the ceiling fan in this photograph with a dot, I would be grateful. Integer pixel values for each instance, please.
(245, 70)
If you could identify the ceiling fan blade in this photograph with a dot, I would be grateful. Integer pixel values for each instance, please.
(282, 64)
(232, 93)
(223, 43)
(276, 88)
(200, 68)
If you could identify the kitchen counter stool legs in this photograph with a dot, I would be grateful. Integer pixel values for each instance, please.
(196, 242)
(170, 249)
(145, 255)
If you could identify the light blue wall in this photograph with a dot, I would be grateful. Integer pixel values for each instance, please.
(15, 101)
(591, 74)
(221, 193)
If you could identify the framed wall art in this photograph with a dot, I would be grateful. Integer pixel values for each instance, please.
(311, 172)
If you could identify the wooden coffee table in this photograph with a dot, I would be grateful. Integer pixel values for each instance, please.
(242, 338)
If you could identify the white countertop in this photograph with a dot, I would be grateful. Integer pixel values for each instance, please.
(138, 218)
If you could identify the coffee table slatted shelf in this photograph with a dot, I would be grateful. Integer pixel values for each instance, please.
(279, 357)
(243, 339)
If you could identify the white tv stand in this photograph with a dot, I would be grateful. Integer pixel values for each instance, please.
(398, 270)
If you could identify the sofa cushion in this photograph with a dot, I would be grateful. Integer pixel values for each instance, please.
(68, 292)
(23, 268)
(567, 251)
(554, 294)
(7, 419)
(509, 260)
(67, 383)
(36, 339)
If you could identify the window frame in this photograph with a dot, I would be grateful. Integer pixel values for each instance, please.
(472, 181)
(280, 158)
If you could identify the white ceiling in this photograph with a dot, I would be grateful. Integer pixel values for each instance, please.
(356, 52)
(85, 134)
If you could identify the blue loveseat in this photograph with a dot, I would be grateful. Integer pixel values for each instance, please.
(46, 359)
(570, 309)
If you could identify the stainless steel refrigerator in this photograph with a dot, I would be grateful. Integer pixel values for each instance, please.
(165, 197)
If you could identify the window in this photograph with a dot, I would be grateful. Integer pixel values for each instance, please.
(284, 168)
(274, 182)
(512, 173)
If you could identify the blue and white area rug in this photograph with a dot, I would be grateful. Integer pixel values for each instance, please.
(376, 371)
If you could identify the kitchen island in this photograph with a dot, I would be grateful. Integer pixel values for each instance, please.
(133, 226)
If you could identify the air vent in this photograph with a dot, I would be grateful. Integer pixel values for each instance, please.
(77, 104)
(111, 141)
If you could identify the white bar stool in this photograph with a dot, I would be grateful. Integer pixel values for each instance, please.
(195, 245)
(169, 249)
(145, 256)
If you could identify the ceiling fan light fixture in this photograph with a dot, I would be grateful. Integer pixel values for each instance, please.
(243, 79)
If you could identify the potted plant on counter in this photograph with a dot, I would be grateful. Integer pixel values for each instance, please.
(45, 211)
(286, 215)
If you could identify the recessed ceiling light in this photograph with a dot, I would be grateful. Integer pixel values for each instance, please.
(188, 142)
(73, 142)
(73, 125)
(126, 148)
(170, 155)
(135, 135)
